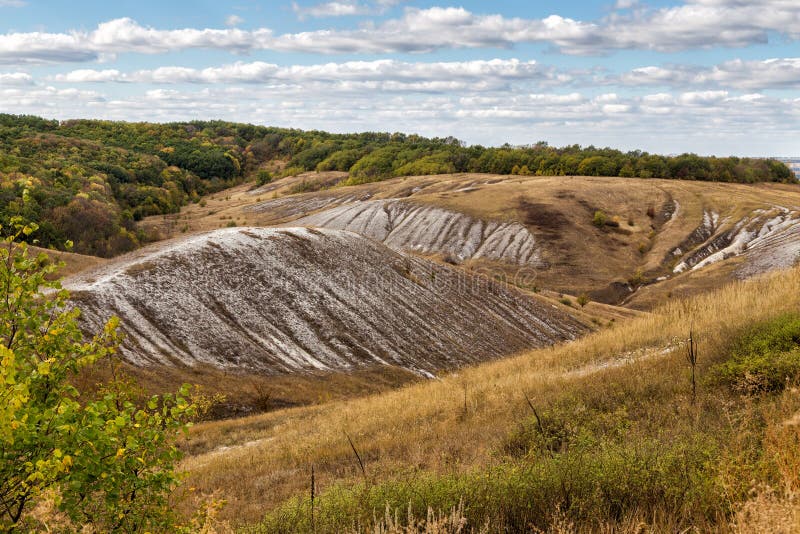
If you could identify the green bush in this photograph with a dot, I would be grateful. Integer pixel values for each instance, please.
(434, 164)
(292, 171)
(600, 219)
(342, 160)
(592, 472)
(378, 165)
(764, 359)
(263, 177)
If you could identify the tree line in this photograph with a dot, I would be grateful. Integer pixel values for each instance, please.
(90, 181)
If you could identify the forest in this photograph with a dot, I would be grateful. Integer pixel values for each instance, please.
(88, 182)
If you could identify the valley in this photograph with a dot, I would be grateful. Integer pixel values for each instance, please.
(365, 280)
(239, 309)
(418, 320)
(656, 231)
(400, 267)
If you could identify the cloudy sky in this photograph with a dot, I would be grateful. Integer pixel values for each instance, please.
(708, 76)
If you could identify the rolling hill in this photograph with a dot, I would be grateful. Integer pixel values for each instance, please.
(659, 238)
(277, 301)
(474, 279)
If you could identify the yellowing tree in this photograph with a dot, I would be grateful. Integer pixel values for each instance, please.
(106, 461)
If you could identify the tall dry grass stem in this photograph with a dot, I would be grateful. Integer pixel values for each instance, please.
(358, 456)
(691, 357)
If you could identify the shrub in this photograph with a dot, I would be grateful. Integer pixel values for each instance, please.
(110, 463)
(586, 467)
(583, 299)
(305, 186)
(600, 219)
(341, 160)
(637, 278)
(263, 177)
(428, 165)
(292, 171)
(565, 301)
(764, 359)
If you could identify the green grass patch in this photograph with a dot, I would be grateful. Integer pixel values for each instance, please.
(764, 359)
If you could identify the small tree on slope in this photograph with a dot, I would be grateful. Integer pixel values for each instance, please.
(102, 461)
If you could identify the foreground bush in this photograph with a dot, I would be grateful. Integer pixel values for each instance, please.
(100, 460)
(596, 483)
(766, 359)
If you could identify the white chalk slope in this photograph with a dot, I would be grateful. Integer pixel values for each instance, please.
(283, 300)
(406, 226)
(768, 240)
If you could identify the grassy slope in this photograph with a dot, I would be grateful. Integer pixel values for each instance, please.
(427, 430)
(73, 263)
(557, 209)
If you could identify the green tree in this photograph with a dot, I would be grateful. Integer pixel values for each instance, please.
(103, 460)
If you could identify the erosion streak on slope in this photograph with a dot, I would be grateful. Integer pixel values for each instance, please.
(768, 239)
(282, 300)
(413, 227)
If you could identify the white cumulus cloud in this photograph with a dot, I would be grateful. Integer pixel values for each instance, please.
(692, 25)
(15, 78)
(390, 74)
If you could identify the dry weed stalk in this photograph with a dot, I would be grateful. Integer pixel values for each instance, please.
(358, 456)
(691, 357)
(453, 522)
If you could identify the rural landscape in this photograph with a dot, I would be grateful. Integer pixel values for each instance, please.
(224, 321)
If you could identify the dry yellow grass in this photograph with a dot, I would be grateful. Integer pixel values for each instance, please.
(257, 462)
(73, 263)
(219, 209)
(245, 393)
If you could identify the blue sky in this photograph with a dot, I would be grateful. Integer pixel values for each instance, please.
(708, 76)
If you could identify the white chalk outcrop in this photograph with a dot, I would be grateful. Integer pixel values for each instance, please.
(406, 226)
(768, 239)
(279, 300)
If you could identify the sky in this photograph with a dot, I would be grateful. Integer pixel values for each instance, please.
(717, 77)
